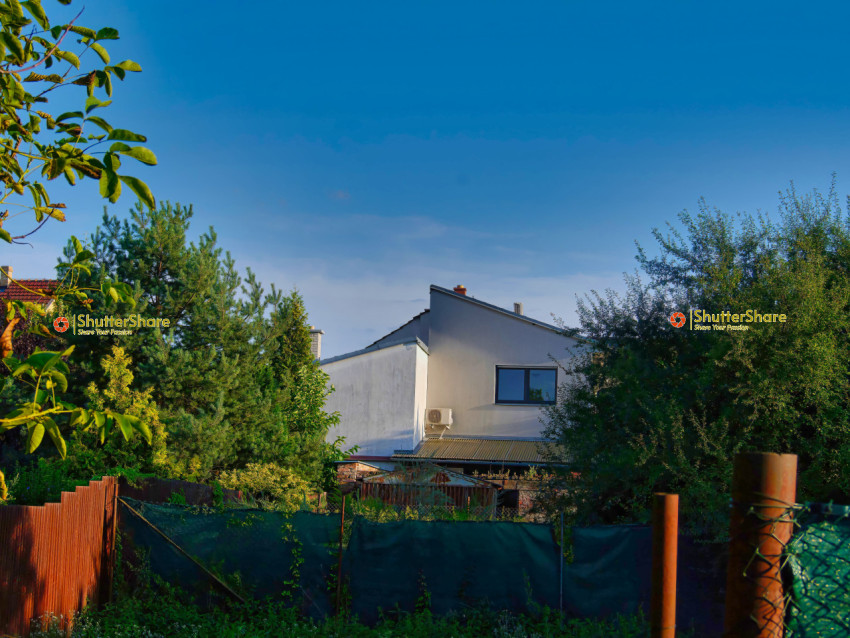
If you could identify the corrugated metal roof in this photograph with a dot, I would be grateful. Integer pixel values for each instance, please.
(425, 474)
(469, 449)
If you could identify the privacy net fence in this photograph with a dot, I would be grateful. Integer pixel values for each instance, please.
(798, 570)
(818, 566)
(394, 565)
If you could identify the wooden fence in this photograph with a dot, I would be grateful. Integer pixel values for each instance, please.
(430, 495)
(56, 557)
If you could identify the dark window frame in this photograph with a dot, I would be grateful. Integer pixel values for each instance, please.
(526, 386)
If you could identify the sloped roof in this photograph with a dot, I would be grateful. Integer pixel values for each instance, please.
(494, 451)
(425, 474)
(35, 290)
(490, 306)
(401, 327)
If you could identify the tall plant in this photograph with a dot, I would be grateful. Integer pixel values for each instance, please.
(38, 145)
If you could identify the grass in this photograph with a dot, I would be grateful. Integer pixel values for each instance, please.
(164, 616)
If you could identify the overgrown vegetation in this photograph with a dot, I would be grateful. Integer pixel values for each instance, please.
(660, 408)
(37, 145)
(165, 616)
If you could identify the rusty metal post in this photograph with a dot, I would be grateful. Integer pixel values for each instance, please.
(339, 557)
(665, 548)
(764, 486)
(561, 571)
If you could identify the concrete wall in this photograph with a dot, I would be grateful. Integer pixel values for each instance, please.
(467, 342)
(381, 397)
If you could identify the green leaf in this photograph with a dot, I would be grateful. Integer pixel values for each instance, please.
(70, 176)
(125, 135)
(5, 236)
(110, 185)
(94, 103)
(78, 245)
(107, 33)
(34, 437)
(68, 351)
(69, 57)
(83, 31)
(41, 330)
(42, 361)
(124, 424)
(113, 293)
(117, 147)
(104, 79)
(24, 410)
(24, 367)
(78, 417)
(140, 153)
(60, 379)
(36, 11)
(83, 255)
(140, 189)
(69, 115)
(56, 436)
(140, 426)
(97, 48)
(129, 65)
(100, 122)
(13, 44)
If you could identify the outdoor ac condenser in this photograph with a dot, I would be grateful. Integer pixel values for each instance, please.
(438, 416)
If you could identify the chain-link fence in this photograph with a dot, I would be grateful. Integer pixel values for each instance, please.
(797, 570)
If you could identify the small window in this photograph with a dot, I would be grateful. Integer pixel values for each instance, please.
(535, 386)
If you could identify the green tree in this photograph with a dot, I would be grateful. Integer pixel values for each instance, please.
(233, 375)
(36, 146)
(88, 455)
(658, 408)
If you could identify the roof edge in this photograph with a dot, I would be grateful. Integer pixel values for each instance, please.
(504, 311)
(376, 348)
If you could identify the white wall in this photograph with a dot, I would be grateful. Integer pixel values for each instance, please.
(381, 397)
(467, 342)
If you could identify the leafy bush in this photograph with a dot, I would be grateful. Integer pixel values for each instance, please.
(89, 456)
(42, 482)
(269, 484)
(658, 408)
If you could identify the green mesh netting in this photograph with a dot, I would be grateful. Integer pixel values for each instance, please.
(250, 550)
(459, 565)
(452, 565)
(819, 563)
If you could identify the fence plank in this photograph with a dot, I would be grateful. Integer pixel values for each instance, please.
(57, 558)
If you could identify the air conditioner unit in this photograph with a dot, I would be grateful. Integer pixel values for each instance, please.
(438, 416)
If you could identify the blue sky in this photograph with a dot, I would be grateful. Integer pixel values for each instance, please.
(360, 152)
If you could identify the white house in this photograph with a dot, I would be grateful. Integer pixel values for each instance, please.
(461, 383)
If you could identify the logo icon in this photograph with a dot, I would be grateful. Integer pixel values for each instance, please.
(677, 320)
(60, 324)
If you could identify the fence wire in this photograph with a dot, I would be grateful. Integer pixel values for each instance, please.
(798, 571)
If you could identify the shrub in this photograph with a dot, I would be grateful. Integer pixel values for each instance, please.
(269, 484)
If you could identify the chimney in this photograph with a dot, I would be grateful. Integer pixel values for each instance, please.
(316, 342)
(518, 307)
(459, 289)
(4, 276)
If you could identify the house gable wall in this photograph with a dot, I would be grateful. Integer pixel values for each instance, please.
(380, 396)
(467, 342)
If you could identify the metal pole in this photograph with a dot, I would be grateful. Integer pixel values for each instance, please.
(339, 556)
(665, 546)
(764, 486)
